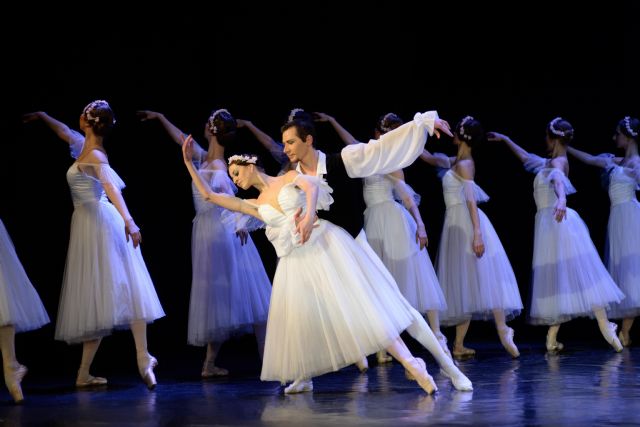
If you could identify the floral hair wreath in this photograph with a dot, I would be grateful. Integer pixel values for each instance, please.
(386, 117)
(292, 114)
(627, 125)
(211, 122)
(464, 121)
(242, 158)
(553, 129)
(88, 111)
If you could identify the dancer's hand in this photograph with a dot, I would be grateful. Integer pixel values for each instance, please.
(242, 123)
(145, 115)
(243, 235)
(31, 117)
(421, 237)
(321, 117)
(133, 231)
(441, 126)
(478, 245)
(187, 149)
(304, 224)
(560, 210)
(497, 137)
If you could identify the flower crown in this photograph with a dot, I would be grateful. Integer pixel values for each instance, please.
(627, 125)
(292, 114)
(88, 111)
(211, 122)
(386, 117)
(464, 121)
(243, 158)
(553, 129)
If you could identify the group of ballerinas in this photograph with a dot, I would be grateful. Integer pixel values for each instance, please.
(337, 295)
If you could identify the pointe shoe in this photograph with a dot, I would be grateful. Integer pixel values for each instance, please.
(417, 370)
(209, 370)
(463, 352)
(442, 340)
(13, 378)
(90, 381)
(299, 386)
(506, 338)
(458, 379)
(383, 357)
(611, 337)
(409, 375)
(554, 346)
(146, 364)
(363, 365)
(625, 341)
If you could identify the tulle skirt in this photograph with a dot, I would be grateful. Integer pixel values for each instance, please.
(622, 257)
(569, 279)
(106, 283)
(391, 233)
(331, 305)
(230, 289)
(20, 304)
(473, 287)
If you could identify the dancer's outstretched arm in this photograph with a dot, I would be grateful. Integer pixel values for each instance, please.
(438, 160)
(599, 161)
(519, 152)
(274, 148)
(174, 132)
(63, 131)
(344, 134)
(223, 200)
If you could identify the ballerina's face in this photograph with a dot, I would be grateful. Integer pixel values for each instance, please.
(620, 139)
(240, 175)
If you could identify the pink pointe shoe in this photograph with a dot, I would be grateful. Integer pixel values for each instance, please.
(12, 378)
(417, 371)
(299, 386)
(209, 370)
(506, 338)
(146, 364)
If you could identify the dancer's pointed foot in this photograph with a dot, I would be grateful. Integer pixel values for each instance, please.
(612, 339)
(12, 378)
(209, 370)
(506, 338)
(363, 365)
(383, 357)
(418, 371)
(146, 364)
(553, 346)
(624, 339)
(458, 379)
(462, 352)
(86, 380)
(442, 340)
(299, 386)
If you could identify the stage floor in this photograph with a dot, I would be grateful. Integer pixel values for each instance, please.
(586, 385)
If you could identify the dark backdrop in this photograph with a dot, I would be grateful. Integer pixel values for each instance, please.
(513, 67)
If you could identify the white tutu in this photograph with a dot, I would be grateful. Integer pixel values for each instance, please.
(473, 287)
(230, 289)
(329, 308)
(20, 304)
(106, 283)
(569, 279)
(622, 254)
(391, 233)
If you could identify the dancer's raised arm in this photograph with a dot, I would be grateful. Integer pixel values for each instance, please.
(519, 152)
(63, 131)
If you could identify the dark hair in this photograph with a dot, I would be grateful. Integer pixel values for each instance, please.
(388, 122)
(99, 117)
(470, 131)
(561, 130)
(222, 124)
(304, 128)
(629, 126)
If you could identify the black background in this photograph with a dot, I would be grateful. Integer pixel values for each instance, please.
(513, 67)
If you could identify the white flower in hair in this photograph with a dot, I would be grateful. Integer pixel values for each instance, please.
(462, 123)
(553, 129)
(384, 120)
(292, 114)
(212, 119)
(627, 125)
(242, 158)
(88, 110)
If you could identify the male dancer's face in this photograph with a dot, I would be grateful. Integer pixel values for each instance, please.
(295, 148)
